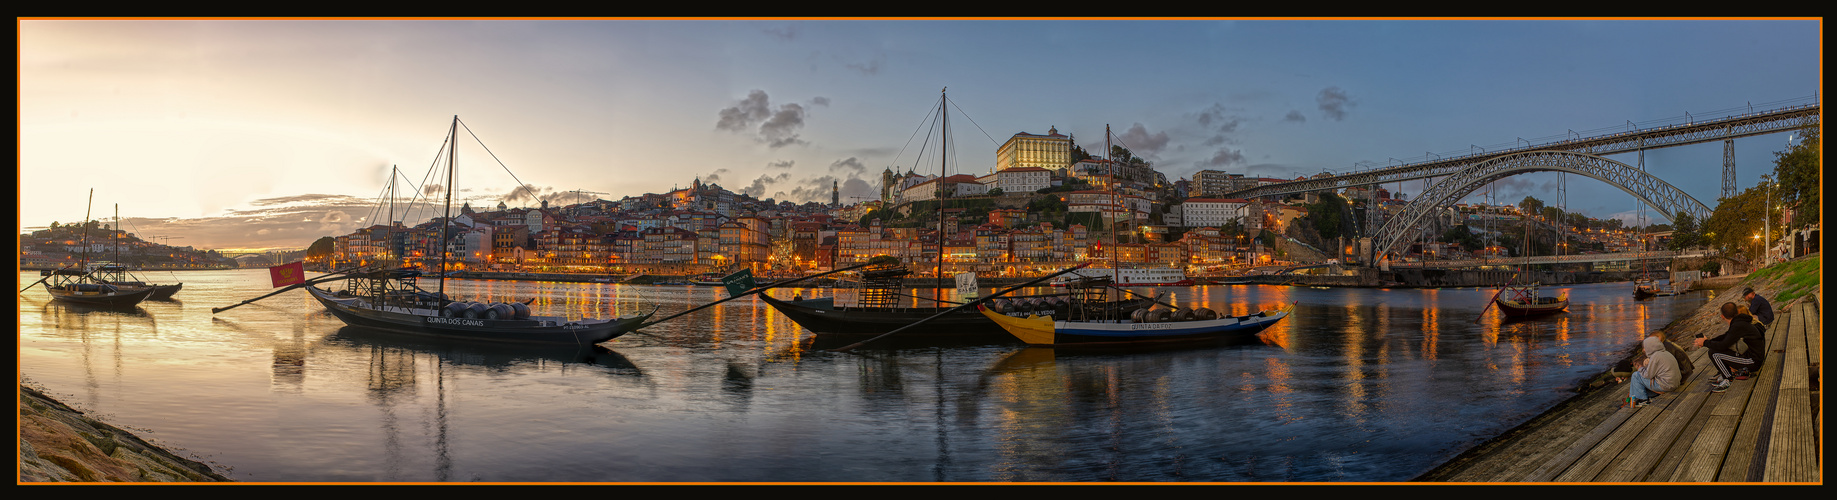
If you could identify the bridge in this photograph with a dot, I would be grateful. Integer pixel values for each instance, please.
(1464, 174)
(1555, 259)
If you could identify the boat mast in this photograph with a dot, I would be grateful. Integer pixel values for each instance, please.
(1116, 272)
(452, 149)
(937, 291)
(92, 202)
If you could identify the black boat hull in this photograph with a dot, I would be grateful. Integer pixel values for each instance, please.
(822, 317)
(533, 330)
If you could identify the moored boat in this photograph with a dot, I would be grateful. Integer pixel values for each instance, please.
(1523, 301)
(1086, 326)
(79, 286)
(1144, 276)
(391, 300)
(403, 308)
(117, 274)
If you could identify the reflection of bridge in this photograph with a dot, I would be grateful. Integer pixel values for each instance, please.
(1555, 259)
(1465, 174)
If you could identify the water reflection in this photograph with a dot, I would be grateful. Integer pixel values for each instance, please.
(1356, 385)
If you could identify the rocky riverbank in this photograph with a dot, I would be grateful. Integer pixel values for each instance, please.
(58, 443)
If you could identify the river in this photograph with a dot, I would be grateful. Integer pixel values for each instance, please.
(1358, 385)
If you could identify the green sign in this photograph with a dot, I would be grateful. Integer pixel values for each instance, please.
(738, 283)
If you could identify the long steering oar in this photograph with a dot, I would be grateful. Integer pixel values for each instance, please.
(954, 309)
(1489, 302)
(749, 292)
(314, 281)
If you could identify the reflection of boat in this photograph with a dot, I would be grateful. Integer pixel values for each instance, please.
(390, 300)
(490, 354)
(1088, 323)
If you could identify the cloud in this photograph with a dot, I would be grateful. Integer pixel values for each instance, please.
(1219, 120)
(1223, 157)
(820, 101)
(739, 118)
(1143, 144)
(781, 164)
(781, 129)
(1295, 116)
(716, 175)
(757, 189)
(777, 127)
(1333, 102)
(850, 163)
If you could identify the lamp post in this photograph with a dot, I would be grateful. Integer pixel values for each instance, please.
(1767, 225)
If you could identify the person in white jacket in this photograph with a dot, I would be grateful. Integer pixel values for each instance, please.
(1655, 375)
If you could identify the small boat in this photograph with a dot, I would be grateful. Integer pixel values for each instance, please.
(389, 299)
(118, 275)
(1144, 326)
(881, 288)
(1521, 301)
(79, 286)
(1645, 289)
(1143, 276)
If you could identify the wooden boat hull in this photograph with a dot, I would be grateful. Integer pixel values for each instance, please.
(1514, 308)
(823, 317)
(99, 295)
(1043, 331)
(536, 329)
(160, 292)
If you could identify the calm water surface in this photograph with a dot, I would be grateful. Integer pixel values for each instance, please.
(1357, 385)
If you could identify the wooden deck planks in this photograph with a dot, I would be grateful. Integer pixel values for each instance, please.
(1740, 457)
(1651, 445)
(1687, 439)
(1561, 461)
(1792, 447)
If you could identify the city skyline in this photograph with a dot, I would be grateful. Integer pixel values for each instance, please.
(273, 133)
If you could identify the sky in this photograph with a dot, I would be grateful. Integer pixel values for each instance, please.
(240, 134)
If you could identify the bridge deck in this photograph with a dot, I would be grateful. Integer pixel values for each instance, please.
(1763, 429)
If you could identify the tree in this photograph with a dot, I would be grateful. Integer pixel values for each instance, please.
(1531, 206)
(1799, 174)
(320, 248)
(1123, 155)
(1685, 235)
(1079, 154)
(1732, 227)
(995, 192)
(1328, 215)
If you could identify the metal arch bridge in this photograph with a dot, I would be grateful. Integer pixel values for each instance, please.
(1556, 259)
(1668, 199)
(1692, 132)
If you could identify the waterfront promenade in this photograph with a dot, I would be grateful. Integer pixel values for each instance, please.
(1763, 429)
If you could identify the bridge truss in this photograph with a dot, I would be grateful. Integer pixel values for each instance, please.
(1668, 199)
(1692, 132)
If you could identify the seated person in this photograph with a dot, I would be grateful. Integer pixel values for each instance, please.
(1656, 374)
(1721, 348)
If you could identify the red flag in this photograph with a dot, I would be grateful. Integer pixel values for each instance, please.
(288, 274)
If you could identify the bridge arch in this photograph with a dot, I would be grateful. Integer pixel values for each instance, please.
(1668, 199)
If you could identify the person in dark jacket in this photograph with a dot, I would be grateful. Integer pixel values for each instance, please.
(1763, 310)
(1721, 347)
